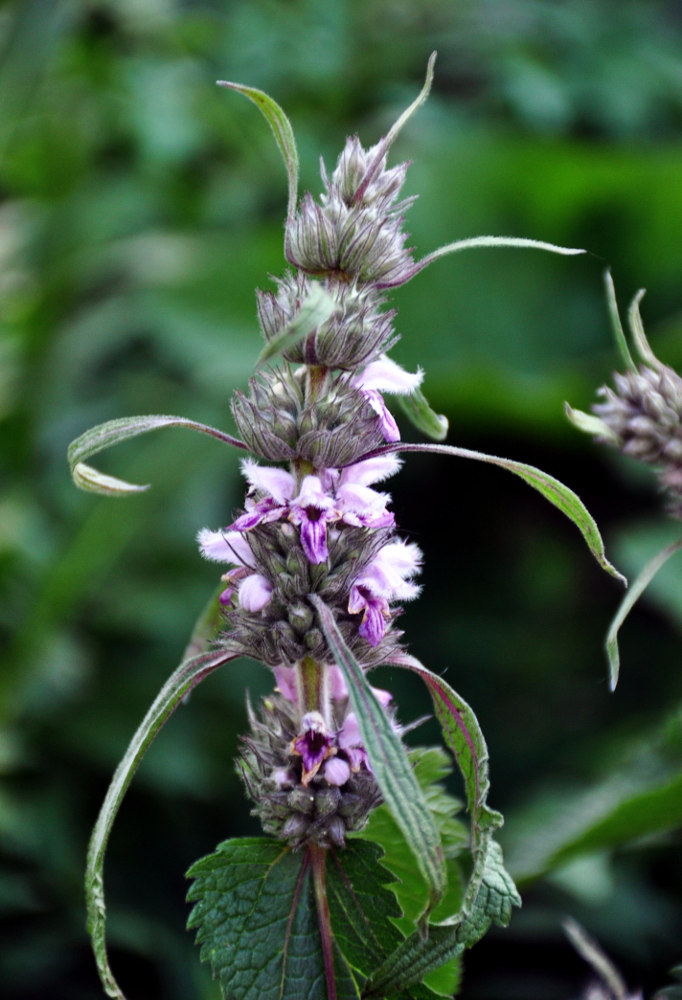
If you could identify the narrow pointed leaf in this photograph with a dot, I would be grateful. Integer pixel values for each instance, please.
(590, 424)
(416, 408)
(260, 925)
(432, 765)
(315, 309)
(616, 324)
(178, 685)
(282, 130)
(464, 737)
(495, 242)
(638, 334)
(568, 502)
(490, 893)
(389, 760)
(113, 432)
(385, 144)
(635, 591)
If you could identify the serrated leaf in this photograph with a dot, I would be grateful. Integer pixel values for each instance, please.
(416, 408)
(490, 892)
(635, 591)
(315, 309)
(389, 760)
(282, 131)
(113, 432)
(568, 502)
(280, 925)
(178, 685)
(423, 952)
(431, 766)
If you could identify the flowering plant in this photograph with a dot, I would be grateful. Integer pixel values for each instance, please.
(314, 574)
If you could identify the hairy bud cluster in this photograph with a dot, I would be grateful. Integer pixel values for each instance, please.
(281, 423)
(290, 804)
(355, 230)
(644, 414)
(357, 331)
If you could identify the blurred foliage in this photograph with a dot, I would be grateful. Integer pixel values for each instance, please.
(141, 206)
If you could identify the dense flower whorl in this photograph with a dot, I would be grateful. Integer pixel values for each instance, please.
(644, 417)
(355, 230)
(310, 781)
(357, 332)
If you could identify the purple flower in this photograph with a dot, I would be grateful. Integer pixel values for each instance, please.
(333, 495)
(386, 578)
(313, 745)
(312, 509)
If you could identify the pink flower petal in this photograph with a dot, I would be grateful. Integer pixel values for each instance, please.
(279, 483)
(387, 376)
(254, 592)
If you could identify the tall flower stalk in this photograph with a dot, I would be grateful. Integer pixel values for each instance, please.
(314, 573)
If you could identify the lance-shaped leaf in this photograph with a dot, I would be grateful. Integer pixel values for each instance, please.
(416, 408)
(389, 760)
(634, 593)
(277, 924)
(315, 309)
(178, 685)
(385, 144)
(282, 130)
(432, 765)
(490, 893)
(423, 952)
(113, 432)
(616, 324)
(568, 502)
(474, 242)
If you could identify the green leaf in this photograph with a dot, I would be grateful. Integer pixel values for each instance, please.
(389, 760)
(114, 431)
(431, 766)
(277, 924)
(178, 685)
(282, 130)
(315, 309)
(635, 591)
(568, 502)
(616, 324)
(385, 144)
(492, 241)
(490, 893)
(416, 408)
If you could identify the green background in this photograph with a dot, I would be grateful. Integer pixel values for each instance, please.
(141, 207)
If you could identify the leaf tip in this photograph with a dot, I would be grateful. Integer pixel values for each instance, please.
(87, 478)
